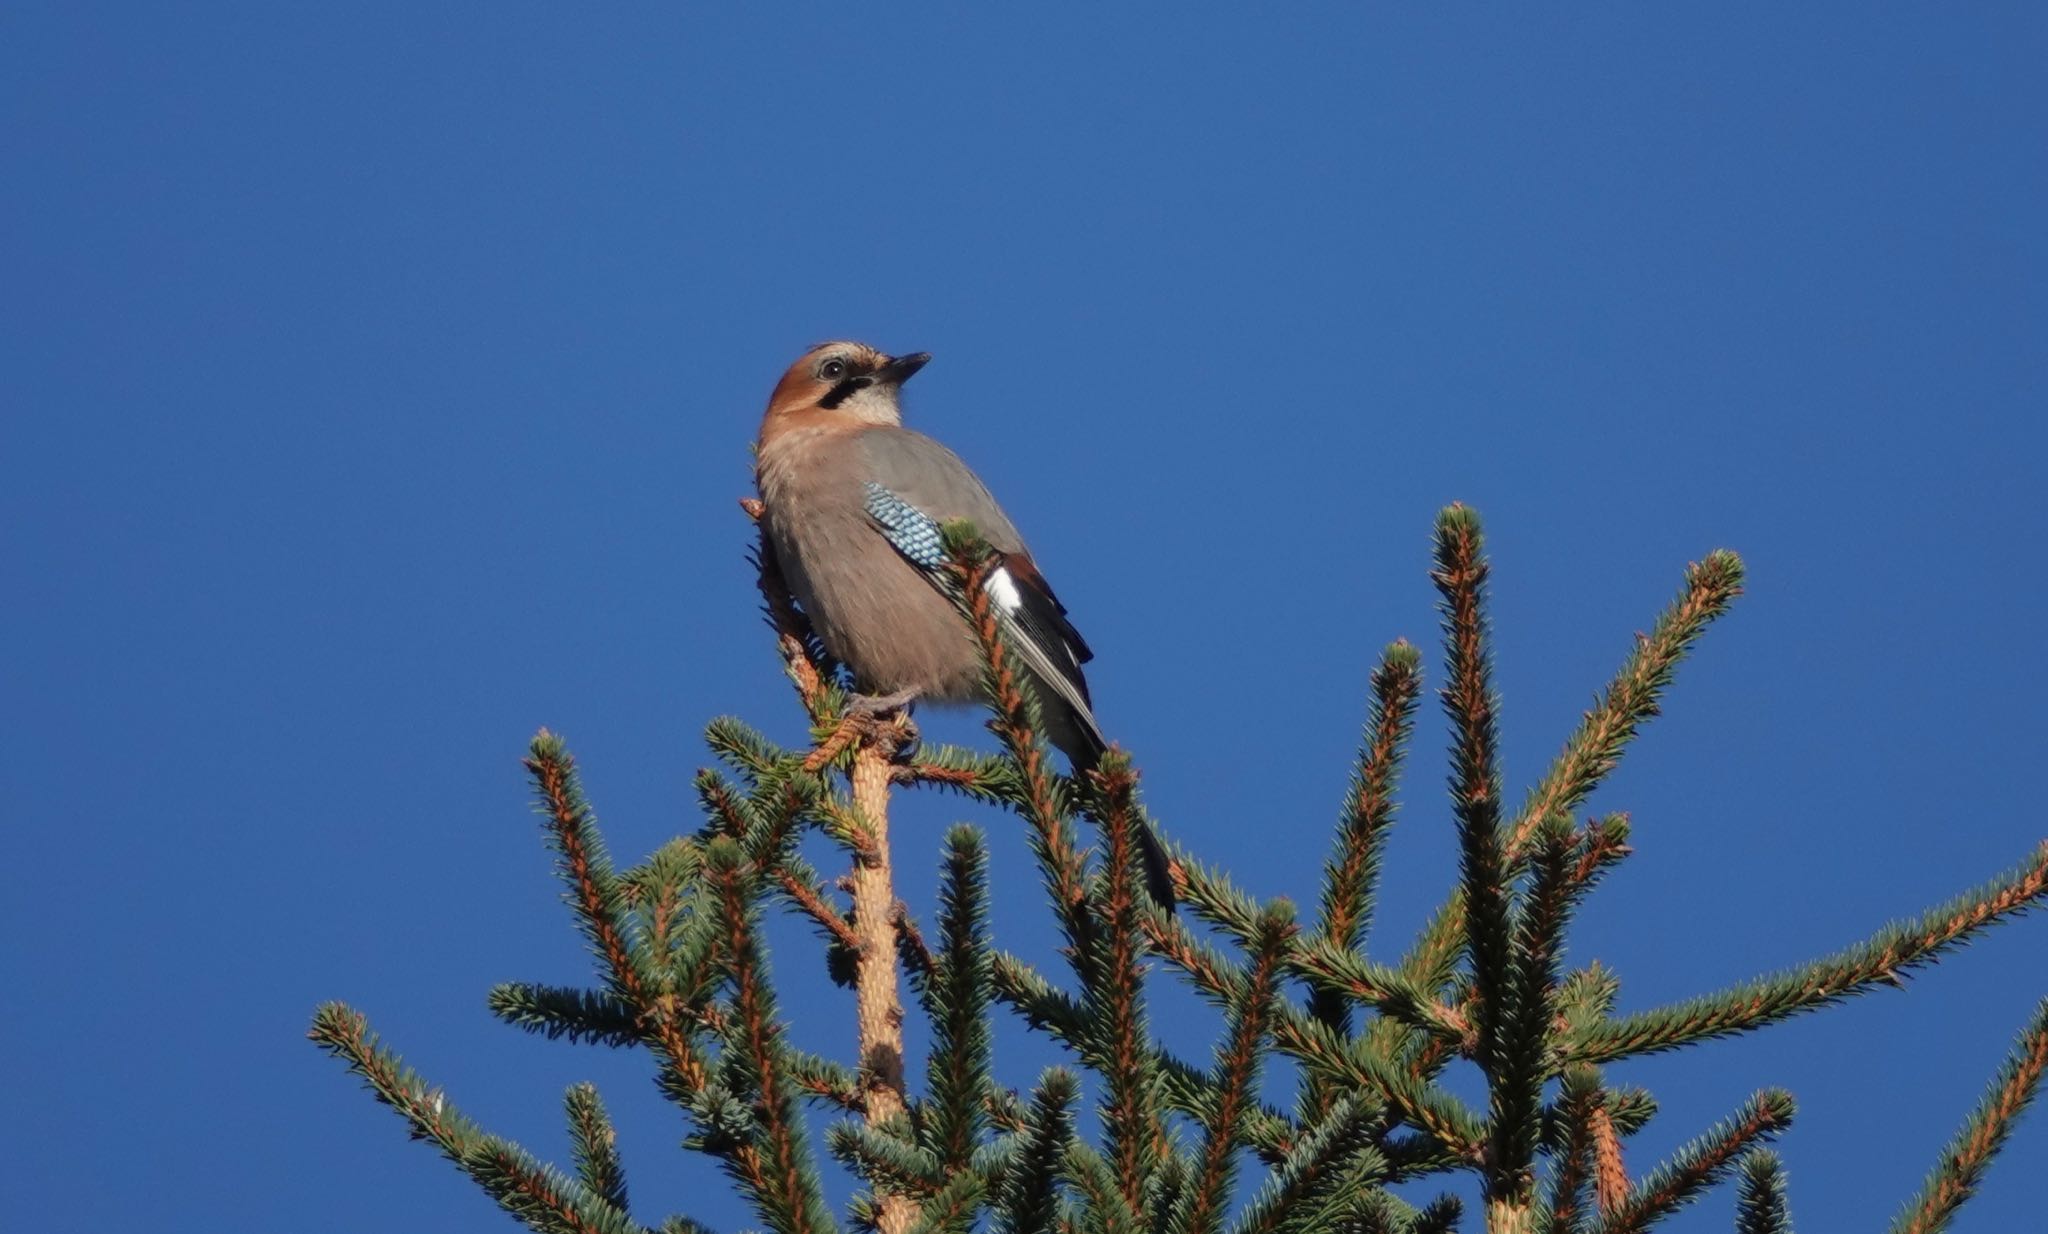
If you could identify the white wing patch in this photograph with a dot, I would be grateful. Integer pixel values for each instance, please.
(1004, 589)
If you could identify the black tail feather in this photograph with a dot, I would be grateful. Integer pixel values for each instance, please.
(1077, 737)
(1158, 873)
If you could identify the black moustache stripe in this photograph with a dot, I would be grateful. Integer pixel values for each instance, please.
(843, 391)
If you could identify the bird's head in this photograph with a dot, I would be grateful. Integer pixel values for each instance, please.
(844, 379)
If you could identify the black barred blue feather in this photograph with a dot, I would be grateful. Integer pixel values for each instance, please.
(914, 533)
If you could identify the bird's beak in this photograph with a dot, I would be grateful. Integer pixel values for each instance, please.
(903, 368)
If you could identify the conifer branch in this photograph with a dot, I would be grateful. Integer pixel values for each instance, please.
(1604, 844)
(1610, 1172)
(808, 897)
(1469, 702)
(1415, 1154)
(828, 1081)
(1574, 1153)
(1698, 1165)
(951, 1209)
(1381, 1213)
(1237, 1064)
(729, 810)
(911, 948)
(1431, 961)
(1711, 587)
(1386, 990)
(1304, 1176)
(595, 1145)
(1884, 958)
(594, 893)
(1221, 981)
(887, 1162)
(977, 776)
(1760, 1204)
(1028, 1200)
(1116, 999)
(564, 1011)
(1107, 1209)
(1629, 1109)
(1328, 1056)
(780, 805)
(1210, 895)
(742, 748)
(661, 893)
(1431, 964)
(957, 997)
(1353, 1063)
(1351, 877)
(539, 1197)
(1964, 1160)
(1186, 1087)
(1439, 1216)
(1587, 997)
(775, 1164)
(1015, 722)
(1523, 1026)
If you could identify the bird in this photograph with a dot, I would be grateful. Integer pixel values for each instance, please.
(852, 502)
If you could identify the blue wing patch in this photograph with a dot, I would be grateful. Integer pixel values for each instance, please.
(914, 533)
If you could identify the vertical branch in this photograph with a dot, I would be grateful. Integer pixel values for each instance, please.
(1569, 1175)
(1028, 1200)
(774, 1160)
(596, 1145)
(871, 883)
(1761, 1207)
(1352, 874)
(1237, 1066)
(1610, 1172)
(876, 988)
(1116, 995)
(1460, 576)
(957, 990)
(1523, 1026)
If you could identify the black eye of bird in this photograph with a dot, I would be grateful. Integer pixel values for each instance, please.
(832, 370)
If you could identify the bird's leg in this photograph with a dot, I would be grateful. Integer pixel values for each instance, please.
(880, 704)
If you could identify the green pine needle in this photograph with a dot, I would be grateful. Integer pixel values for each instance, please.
(1961, 1168)
(1760, 1206)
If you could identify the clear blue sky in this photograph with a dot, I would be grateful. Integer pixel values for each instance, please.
(378, 382)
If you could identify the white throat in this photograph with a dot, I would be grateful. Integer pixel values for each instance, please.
(873, 404)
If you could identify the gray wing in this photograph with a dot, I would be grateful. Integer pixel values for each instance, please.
(913, 479)
(932, 478)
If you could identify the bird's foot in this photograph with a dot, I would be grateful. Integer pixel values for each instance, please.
(879, 720)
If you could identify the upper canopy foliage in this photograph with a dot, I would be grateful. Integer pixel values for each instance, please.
(683, 971)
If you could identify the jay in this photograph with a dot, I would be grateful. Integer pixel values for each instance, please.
(853, 502)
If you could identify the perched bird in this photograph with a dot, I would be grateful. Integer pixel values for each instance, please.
(852, 505)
